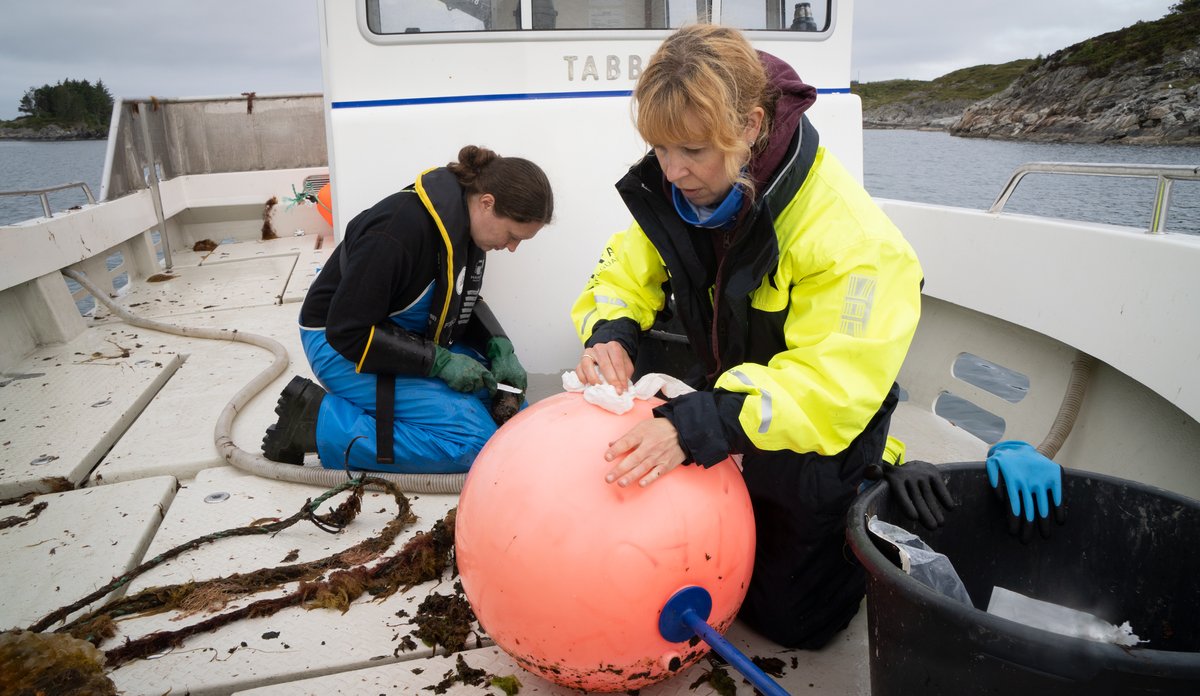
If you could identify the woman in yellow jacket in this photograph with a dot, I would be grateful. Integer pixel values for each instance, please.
(799, 299)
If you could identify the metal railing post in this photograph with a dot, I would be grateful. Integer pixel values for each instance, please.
(1162, 199)
(152, 176)
(1009, 189)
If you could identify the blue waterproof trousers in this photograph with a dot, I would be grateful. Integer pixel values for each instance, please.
(436, 431)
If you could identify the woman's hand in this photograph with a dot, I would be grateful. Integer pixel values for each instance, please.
(607, 359)
(651, 450)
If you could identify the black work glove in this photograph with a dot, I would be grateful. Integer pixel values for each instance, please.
(1021, 476)
(919, 489)
(1021, 527)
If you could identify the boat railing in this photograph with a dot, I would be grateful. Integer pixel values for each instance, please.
(1166, 174)
(43, 194)
(153, 139)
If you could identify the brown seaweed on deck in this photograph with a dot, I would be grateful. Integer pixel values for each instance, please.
(268, 230)
(34, 663)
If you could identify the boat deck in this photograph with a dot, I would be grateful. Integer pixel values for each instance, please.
(126, 415)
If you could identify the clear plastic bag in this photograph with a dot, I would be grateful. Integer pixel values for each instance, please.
(1058, 619)
(922, 563)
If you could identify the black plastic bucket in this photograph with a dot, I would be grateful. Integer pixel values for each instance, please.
(1128, 552)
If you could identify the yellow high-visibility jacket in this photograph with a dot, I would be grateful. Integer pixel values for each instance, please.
(805, 325)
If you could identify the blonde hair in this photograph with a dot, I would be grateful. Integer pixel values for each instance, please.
(714, 74)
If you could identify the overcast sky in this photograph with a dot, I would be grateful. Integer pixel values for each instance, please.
(170, 48)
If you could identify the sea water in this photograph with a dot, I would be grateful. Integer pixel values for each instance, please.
(935, 167)
(28, 164)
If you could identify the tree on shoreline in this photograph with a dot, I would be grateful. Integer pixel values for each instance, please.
(70, 102)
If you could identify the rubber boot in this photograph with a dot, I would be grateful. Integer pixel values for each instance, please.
(296, 430)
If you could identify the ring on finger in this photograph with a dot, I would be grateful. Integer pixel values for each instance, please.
(591, 357)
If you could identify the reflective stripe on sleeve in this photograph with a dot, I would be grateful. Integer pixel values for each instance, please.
(765, 423)
(611, 300)
(599, 299)
(583, 325)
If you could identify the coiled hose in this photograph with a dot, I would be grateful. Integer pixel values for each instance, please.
(254, 463)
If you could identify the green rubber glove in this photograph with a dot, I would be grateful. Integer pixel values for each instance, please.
(461, 372)
(505, 366)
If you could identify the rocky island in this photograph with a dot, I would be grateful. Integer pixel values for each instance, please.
(52, 131)
(69, 110)
(1140, 84)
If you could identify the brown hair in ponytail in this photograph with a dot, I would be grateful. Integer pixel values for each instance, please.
(520, 187)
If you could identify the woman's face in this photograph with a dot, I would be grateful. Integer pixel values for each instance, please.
(492, 232)
(697, 169)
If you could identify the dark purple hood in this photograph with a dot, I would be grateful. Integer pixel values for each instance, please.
(794, 99)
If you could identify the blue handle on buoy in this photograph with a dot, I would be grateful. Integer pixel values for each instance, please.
(686, 614)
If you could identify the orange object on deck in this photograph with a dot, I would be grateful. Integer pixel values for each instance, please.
(568, 574)
(325, 203)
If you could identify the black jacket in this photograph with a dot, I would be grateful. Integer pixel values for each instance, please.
(390, 255)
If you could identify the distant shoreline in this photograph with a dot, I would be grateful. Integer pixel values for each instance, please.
(1041, 138)
(51, 133)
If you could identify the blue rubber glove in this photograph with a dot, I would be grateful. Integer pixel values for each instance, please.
(1028, 475)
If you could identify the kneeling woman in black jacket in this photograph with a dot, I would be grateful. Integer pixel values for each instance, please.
(395, 330)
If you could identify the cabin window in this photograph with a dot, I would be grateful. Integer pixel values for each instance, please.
(431, 16)
(789, 15)
(620, 14)
(1010, 385)
(978, 421)
(437, 16)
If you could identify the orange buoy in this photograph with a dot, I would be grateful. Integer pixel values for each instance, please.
(568, 574)
(325, 203)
